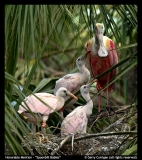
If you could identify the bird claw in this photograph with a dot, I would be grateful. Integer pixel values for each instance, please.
(109, 109)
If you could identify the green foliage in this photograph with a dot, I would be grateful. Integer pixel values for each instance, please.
(131, 151)
(42, 43)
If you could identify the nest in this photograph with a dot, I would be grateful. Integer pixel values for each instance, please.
(111, 141)
(87, 144)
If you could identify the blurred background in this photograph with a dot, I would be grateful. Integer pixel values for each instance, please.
(42, 43)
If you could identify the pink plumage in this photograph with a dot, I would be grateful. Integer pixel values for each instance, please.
(76, 121)
(43, 109)
(37, 106)
(74, 81)
(101, 55)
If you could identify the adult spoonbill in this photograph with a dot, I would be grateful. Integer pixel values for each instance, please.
(40, 110)
(76, 121)
(74, 81)
(101, 55)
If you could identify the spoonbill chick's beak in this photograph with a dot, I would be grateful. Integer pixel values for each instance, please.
(83, 57)
(97, 85)
(86, 54)
(72, 95)
(94, 81)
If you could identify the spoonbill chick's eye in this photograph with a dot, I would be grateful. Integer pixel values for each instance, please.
(79, 59)
(64, 91)
(84, 86)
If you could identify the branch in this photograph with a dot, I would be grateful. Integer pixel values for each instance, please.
(61, 144)
(104, 134)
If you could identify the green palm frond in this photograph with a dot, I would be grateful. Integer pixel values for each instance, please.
(42, 43)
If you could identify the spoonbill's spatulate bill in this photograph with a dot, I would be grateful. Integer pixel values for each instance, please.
(101, 55)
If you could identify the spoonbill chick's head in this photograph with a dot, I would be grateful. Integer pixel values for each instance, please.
(63, 92)
(80, 60)
(85, 88)
(99, 28)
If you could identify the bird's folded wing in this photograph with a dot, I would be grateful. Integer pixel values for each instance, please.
(74, 122)
(69, 81)
(37, 106)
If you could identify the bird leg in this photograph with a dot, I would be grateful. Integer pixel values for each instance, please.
(107, 97)
(44, 125)
(99, 95)
(99, 100)
(44, 121)
(72, 140)
(61, 112)
(108, 108)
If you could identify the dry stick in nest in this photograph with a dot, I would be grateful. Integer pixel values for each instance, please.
(104, 134)
(124, 108)
(117, 122)
(114, 124)
(101, 115)
(61, 144)
(106, 129)
(100, 134)
(90, 136)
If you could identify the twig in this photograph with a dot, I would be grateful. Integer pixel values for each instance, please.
(55, 128)
(122, 108)
(114, 124)
(92, 148)
(61, 144)
(104, 134)
(93, 119)
(93, 124)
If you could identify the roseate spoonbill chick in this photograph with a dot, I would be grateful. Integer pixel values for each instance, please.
(76, 121)
(74, 81)
(42, 110)
(101, 55)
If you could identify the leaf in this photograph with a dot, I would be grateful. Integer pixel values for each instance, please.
(45, 85)
(130, 151)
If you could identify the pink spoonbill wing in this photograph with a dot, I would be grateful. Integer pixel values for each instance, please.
(36, 106)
